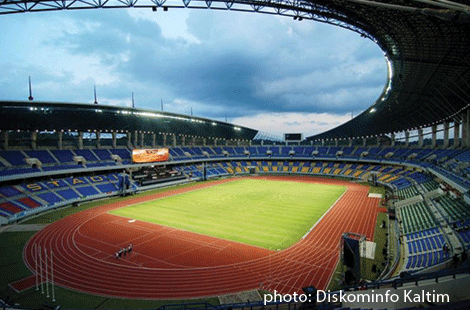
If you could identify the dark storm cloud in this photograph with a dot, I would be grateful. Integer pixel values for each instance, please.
(109, 33)
(232, 62)
(227, 80)
(238, 64)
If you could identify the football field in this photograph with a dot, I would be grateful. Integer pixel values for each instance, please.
(265, 213)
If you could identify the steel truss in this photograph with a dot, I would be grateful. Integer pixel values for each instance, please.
(297, 9)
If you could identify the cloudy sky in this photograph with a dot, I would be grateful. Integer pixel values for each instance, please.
(269, 73)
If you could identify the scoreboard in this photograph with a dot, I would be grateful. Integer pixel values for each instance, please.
(149, 155)
(293, 137)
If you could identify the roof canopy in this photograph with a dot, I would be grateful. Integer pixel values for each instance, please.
(48, 116)
(428, 49)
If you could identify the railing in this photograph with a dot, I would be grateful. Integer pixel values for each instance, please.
(246, 305)
(411, 278)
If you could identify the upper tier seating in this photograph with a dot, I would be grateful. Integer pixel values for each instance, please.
(15, 158)
(43, 156)
(103, 154)
(64, 156)
(87, 154)
(262, 150)
(125, 154)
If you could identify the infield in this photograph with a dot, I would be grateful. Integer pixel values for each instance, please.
(265, 213)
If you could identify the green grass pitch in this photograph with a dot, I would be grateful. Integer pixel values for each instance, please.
(265, 213)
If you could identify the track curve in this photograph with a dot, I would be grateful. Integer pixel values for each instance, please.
(311, 261)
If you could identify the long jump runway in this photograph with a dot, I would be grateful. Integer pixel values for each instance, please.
(168, 263)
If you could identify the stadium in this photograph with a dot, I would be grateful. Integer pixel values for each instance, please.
(112, 207)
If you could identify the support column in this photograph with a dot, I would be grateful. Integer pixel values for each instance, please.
(434, 136)
(142, 139)
(5, 140)
(164, 140)
(226, 142)
(446, 135)
(467, 129)
(364, 142)
(174, 140)
(420, 138)
(114, 137)
(456, 132)
(350, 142)
(135, 138)
(392, 138)
(60, 143)
(464, 135)
(80, 140)
(336, 142)
(378, 141)
(183, 141)
(193, 142)
(129, 140)
(154, 140)
(407, 138)
(204, 142)
(322, 142)
(98, 139)
(34, 140)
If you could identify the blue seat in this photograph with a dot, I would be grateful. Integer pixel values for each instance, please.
(50, 197)
(9, 191)
(106, 187)
(42, 156)
(87, 191)
(15, 158)
(64, 156)
(68, 194)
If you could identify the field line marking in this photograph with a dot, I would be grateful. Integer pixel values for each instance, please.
(327, 211)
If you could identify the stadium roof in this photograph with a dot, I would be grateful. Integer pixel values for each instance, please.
(429, 69)
(427, 43)
(49, 116)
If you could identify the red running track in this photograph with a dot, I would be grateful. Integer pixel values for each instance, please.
(167, 263)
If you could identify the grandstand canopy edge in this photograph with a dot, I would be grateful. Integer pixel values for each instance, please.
(48, 116)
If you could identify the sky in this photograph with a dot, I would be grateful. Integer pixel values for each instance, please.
(269, 73)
